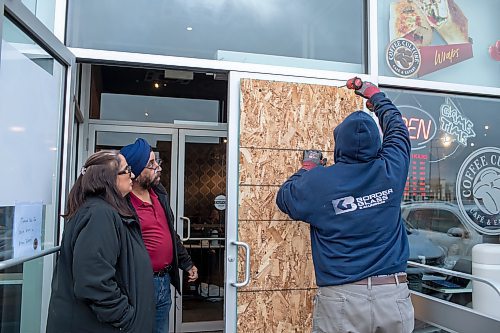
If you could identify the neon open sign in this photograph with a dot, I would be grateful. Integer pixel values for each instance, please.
(420, 124)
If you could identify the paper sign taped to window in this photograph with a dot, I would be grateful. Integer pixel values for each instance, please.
(27, 229)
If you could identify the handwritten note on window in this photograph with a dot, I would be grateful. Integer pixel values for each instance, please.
(27, 231)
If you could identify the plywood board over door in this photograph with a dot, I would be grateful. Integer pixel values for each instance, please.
(278, 120)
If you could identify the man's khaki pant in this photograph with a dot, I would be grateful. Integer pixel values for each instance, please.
(363, 309)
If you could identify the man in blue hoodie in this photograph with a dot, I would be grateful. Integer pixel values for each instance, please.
(358, 239)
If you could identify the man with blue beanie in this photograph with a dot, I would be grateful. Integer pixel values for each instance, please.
(358, 239)
(152, 206)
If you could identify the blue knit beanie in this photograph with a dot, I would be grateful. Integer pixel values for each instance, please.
(137, 155)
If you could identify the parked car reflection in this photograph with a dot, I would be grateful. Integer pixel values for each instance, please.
(423, 251)
(442, 223)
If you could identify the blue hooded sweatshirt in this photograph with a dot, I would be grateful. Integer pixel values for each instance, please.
(353, 206)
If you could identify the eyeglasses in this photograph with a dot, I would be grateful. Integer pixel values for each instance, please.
(126, 171)
(151, 164)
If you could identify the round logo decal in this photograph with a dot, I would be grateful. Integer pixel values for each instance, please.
(478, 190)
(403, 57)
(220, 202)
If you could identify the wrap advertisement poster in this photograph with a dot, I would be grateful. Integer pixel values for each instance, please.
(411, 51)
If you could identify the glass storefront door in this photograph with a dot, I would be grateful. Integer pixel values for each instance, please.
(194, 173)
(202, 201)
(37, 75)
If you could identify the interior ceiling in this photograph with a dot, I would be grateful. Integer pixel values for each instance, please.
(141, 81)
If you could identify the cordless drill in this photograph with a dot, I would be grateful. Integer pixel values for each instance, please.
(363, 89)
(312, 158)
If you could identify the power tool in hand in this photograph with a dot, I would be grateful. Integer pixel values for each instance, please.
(364, 89)
(312, 158)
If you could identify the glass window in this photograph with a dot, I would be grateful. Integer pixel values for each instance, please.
(11, 281)
(157, 95)
(452, 195)
(308, 34)
(31, 84)
(446, 220)
(24, 292)
(454, 41)
(421, 219)
(44, 10)
(157, 109)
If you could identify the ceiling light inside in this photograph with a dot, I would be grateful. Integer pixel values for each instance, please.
(17, 129)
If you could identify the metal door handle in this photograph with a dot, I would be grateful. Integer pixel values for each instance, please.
(189, 228)
(247, 265)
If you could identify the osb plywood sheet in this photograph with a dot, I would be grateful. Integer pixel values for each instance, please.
(275, 311)
(292, 115)
(261, 166)
(280, 256)
(259, 203)
(277, 121)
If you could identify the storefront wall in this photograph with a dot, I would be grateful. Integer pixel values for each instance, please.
(463, 78)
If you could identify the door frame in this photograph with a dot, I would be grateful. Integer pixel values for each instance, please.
(183, 133)
(232, 243)
(176, 191)
(137, 128)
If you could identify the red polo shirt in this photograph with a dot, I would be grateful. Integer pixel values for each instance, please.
(155, 231)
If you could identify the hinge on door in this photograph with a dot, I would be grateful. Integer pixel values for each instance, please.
(87, 145)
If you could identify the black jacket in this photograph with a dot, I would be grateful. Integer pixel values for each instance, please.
(182, 259)
(102, 280)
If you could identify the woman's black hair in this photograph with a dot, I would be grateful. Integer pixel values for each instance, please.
(98, 178)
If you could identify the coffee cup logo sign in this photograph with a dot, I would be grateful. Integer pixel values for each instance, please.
(220, 202)
(478, 190)
(403, 57)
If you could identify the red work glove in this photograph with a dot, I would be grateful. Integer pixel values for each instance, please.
(312, 159)
(364, 89)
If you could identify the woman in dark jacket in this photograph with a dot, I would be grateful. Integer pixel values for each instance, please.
(102, 280)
